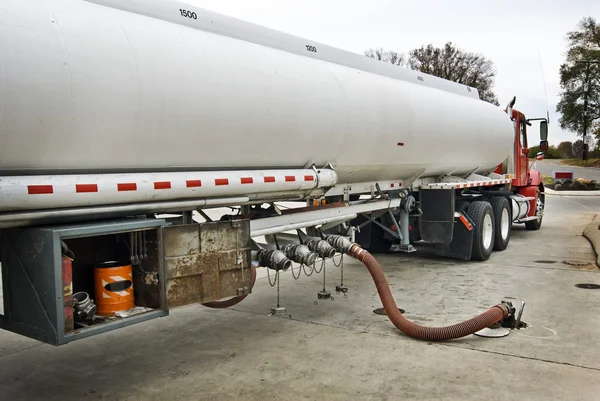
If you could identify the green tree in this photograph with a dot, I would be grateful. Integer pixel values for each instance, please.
(448, 62)
(577, 148)
(581, 69)
(565, 149)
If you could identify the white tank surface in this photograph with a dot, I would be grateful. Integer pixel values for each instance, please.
(147, 85)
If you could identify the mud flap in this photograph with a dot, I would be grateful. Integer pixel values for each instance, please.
(462, 240)
(437, 223)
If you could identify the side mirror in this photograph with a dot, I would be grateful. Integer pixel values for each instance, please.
(544, 145)
(539, 156)
(543, 130)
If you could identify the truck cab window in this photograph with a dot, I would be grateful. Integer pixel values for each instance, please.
(524, 135)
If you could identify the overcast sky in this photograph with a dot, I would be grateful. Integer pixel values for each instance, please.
(511, 34)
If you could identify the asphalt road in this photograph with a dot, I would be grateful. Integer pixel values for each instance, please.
(341, 350)
(546, 167)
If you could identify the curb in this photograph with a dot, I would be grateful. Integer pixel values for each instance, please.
(592, 233)
(552, 192)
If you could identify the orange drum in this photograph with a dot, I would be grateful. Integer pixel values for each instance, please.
(114, 287)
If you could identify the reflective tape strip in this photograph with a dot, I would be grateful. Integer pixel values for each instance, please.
(107, 189)
(193, 183)
(162, 185)
(474, 184)
(127, 186)
(466, 222)
(79, 188)
(40, 189)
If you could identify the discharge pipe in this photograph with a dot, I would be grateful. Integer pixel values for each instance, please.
(486, 319)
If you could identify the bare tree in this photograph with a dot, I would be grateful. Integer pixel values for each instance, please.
(448, 62)
(387, 56)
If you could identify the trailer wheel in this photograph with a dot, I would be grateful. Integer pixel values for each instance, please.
(503, 222)
(483, 236)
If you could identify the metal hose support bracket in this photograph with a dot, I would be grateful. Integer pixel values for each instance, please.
(486, 319)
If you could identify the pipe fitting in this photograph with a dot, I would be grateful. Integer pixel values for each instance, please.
(273, 259)
(322, 248)
(300, 254)
(340, 243)
(84, 307)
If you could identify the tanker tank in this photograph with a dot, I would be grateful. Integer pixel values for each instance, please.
(148, 86)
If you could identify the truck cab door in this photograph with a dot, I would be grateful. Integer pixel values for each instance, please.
(521, 153)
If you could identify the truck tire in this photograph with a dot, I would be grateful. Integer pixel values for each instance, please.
(533, 224)
(503, 222)
(482, 214)
(379, 244)
(536, 224)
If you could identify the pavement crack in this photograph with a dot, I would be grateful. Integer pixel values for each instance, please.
(521, 357)
(20, 350)
(561, 268)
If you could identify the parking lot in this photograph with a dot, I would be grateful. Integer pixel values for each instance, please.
(341, 350)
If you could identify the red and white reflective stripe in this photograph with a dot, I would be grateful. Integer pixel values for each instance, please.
(487, 183)
(469, 184)
(44, 192)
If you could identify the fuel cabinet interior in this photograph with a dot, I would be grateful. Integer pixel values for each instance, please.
(62, 283)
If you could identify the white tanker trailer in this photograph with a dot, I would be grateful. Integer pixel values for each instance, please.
(112, 112)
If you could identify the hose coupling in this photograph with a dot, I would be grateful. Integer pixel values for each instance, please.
(507, 308)
(84, 307)
(300, 254)
(322, 248)
(273, 259)
(340, 243)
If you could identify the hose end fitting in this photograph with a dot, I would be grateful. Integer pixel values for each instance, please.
(322, 248)
(300, 254)
(508, 310)
(273, 259)
(340, 243)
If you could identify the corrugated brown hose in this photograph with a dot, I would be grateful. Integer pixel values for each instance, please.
(486, 319)
(235, 300)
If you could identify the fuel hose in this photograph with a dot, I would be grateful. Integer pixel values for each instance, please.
(486, 319)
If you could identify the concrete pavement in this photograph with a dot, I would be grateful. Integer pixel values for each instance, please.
(341, 350)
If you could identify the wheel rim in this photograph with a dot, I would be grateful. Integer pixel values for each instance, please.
(487, 231)
(504, 223)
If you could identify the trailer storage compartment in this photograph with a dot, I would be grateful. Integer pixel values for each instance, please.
(62, 283)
